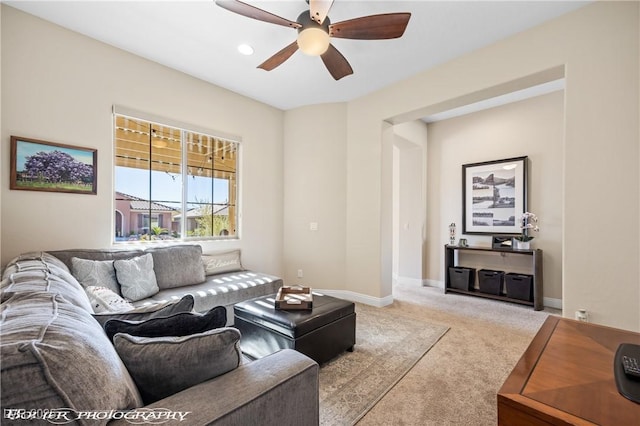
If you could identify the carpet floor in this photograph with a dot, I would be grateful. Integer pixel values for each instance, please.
(387, 346)
(456, 381)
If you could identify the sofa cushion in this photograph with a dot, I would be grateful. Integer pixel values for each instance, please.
(154, 310)
(221, 290)
(94, 254)
(55, 356)
(136, 277)
(177, 266)
(219, 263)
(181, 324)
(162, 366)
(21, 262)
(40, 272)
(104, 300)
(96, 273)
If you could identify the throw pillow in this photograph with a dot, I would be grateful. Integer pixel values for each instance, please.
(177, 266)
(136, 277)
(222, 262)
(181, 324)
(96, 273)
(162, 366)
(103, 300)
(142, 313)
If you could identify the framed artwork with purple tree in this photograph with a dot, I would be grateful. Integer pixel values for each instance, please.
(53, 167)
(494, 196)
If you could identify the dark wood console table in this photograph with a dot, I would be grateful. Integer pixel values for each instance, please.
(536, 269)
(566, 377)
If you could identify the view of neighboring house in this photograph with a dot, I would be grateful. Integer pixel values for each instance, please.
(196, 215)
(136, 216)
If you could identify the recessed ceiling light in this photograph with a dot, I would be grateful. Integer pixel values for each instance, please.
(245, 49)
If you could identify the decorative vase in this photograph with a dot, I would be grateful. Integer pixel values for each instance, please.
(452, 234)
(521, 245)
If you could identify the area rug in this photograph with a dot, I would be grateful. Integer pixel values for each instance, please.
(387, 347)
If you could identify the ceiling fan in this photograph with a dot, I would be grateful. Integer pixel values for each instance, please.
(315, 30)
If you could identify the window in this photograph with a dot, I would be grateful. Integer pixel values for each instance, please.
(173, 183)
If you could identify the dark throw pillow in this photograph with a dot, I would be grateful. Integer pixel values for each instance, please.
(148, 312)
(181, 324)
(162, 366)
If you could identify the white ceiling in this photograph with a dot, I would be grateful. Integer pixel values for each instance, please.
(200, 38)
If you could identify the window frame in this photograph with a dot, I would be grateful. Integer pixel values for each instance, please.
(184, 129)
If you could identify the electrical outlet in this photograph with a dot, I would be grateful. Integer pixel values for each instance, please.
(582, 315)
(299, 273)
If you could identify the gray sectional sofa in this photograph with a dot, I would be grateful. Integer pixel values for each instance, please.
(59, 366)
(181, 269)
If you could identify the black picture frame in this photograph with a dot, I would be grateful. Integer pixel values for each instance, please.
(494, 196)
(52, 167)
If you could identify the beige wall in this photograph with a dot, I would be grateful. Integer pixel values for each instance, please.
(409, 201)
(598, 47)
(314, 175)
(410, 213)
(532, 128)
(60, 86)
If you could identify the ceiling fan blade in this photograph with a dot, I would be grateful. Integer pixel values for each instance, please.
(319, 9)
(249, 11)
(336, 63)
(373, 27)
(279, 57)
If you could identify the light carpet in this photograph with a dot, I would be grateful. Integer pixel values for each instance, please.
(388, 345)
(457, 381)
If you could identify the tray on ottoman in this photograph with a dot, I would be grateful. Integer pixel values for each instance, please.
(321, 333)
(293, 298)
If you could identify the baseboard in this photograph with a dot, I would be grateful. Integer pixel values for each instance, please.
(408, 280)
(546, 301)
(418, 282)
(552, 303)
(433, 283)
(384, 301)
(378, 302)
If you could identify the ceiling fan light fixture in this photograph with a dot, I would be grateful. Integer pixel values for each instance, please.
(313, 41)
(315, 30)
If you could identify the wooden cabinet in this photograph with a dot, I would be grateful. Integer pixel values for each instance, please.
(536, 272)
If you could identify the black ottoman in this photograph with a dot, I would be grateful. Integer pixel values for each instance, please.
(321, 333)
